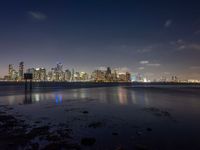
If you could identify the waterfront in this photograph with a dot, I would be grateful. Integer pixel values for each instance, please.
(111, 117)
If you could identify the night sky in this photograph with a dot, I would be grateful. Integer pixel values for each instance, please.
(151, 37)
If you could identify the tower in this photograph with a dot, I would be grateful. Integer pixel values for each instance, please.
(21, 70)
(10, 71)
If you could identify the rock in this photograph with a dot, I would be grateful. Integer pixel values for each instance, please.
(165, 113)
(139, 133)
(37, 122)
(85, 112)
(114, 133)
(95, 125)
(38, 132)
(141, 147)
(88, 141)
(52, 146)
(119, 148)
(53, 138)
(149, 129)
(34, 146)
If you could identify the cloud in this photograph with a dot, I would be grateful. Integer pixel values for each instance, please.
(122, 69)
(177, 42)
(144, 62)
(194, 46)
(195, 67)
(141, 68)
(154, 65)
(144, 50)
(147, 63)
(150, 48)
(182, 45)
(102, 68)
(197, 32)
(36, 15)
(168, 23)
(167, 73)
(190, 47)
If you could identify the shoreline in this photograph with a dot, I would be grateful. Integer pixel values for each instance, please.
(66, 84)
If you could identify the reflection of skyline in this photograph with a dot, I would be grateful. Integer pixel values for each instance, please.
(122, 96)
(28, 98)
(117, 96)
(58, 99)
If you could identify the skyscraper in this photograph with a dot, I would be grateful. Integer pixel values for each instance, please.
(10, 70)
(21, 70)
(108, 75)
(72, 76)
(59, 67)
(67, 75)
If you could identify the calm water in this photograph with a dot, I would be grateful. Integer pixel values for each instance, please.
(156, 118)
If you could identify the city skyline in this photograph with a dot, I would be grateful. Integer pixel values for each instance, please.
(59, 72)
(153, 38)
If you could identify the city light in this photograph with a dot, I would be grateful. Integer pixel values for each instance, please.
(101, 74)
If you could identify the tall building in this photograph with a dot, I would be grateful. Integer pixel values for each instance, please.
(40, 74)
(84, 76)
(21, 70)
(128, 77)
(98, 75)
(72, 76)
(10, 71)
(50, 76)
(59, 67)
(12, 74)
(67, 75)
(114, 76)
(108, 75)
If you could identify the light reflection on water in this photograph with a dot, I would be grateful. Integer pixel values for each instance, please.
(116, 96)
(58, 99)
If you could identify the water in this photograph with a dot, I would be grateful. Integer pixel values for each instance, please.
(117, 116)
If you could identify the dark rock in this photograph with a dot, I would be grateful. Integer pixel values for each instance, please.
(139, 133)
(38, 132)
(119, 148)
(149, 129)
(61, 145)
(114, 133)
(37, 122)
(53, 138)
(34, 146)
(95, 125)
(85, 112)
(88, 141)
(64, 133)
(165, 113)
(53, 146)
(158, 114)
(141, 147)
